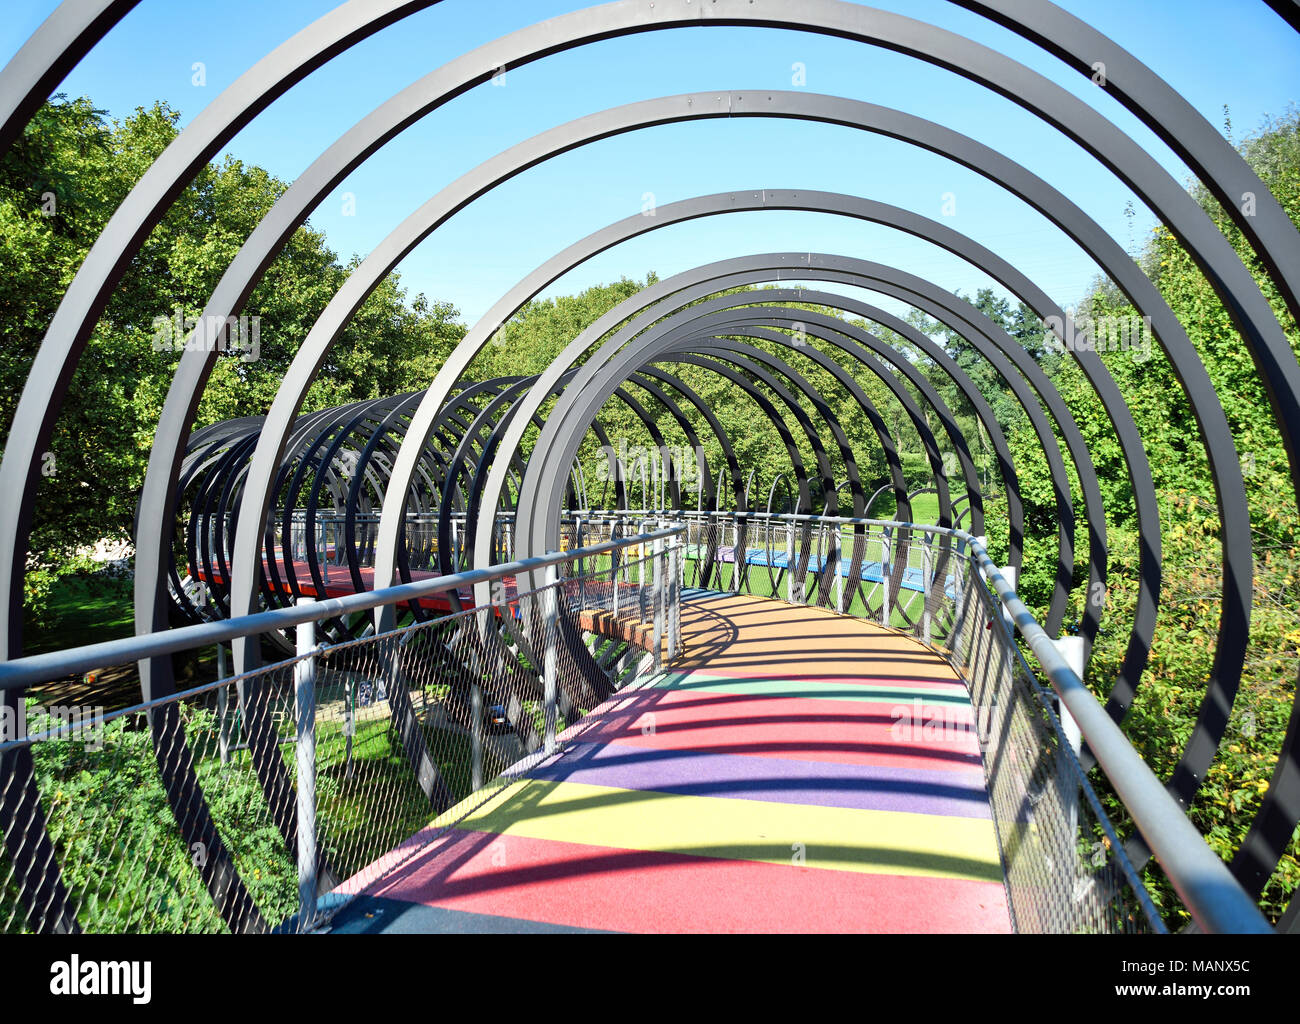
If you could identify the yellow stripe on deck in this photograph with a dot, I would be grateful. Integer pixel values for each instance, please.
(837, 838)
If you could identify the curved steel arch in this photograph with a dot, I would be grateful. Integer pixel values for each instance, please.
(857, 343)
(826, 25)
(720, 280)
(688, 209)
(53, 50)
(642, 381)
(78, 23)
(832, 24)
(752, 325)
(739, 494)
(1145, 576)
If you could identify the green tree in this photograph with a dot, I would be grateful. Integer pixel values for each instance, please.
(58, 187)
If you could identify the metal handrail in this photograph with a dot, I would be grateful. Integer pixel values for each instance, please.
(40, 668)
(1215, 899)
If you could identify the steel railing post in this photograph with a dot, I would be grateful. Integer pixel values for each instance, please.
(739, 578)
(550, 666)
(476, 737)
(958, 624)
(582, 572)
(885, 573)
(674, 597)
(839, 569)
(223, 711)
(1071, 649)
(613, 561)
(789, 562)
(925, 592)
(657, 599)
(1009, 574)
(322, 548)
(304, 677)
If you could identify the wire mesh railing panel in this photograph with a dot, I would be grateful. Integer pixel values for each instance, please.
(1065, 870)
(242, 804)
(469, 698)
(380, 704)
(149, 814)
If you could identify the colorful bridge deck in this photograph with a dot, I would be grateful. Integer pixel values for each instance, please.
(795, 771)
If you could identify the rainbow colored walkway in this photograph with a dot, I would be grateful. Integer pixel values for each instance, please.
(796, 771)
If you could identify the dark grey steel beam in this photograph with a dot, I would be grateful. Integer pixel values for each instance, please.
(53, 50)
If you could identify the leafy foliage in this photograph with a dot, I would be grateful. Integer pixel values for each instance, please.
(61, 182)
(1173, 687)
(58, 187)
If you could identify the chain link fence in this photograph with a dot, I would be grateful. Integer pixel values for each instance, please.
(1065, 870)
(259, 802)
(105, 832)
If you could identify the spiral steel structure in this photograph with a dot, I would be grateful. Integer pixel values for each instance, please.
(267, 508)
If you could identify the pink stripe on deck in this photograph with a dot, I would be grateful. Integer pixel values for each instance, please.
(630, 890)
(848, 732)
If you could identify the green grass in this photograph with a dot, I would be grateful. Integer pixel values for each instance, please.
(114, 829)
(90, 609)
(97, 608)
(925, 508)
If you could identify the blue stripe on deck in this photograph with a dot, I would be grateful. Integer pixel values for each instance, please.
(374, 914)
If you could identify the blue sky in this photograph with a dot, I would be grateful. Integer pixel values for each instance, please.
(1239, 54)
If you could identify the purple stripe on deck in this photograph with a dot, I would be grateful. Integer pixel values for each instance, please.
(958, 794)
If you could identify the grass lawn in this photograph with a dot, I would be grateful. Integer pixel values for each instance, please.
(96, 609)
(925, 508)
(91, 610)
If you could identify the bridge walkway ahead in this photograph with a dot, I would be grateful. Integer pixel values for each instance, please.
(794, 770)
